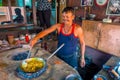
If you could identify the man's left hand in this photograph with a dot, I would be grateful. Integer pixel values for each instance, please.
(82, 62)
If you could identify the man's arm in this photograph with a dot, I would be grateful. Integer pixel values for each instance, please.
(82, 43)
(43, 33)
(81, 40)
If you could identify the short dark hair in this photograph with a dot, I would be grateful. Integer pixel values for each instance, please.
(68, 9)
(18, 10)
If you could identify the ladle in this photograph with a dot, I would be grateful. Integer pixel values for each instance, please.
(55, 52)
(29, 53)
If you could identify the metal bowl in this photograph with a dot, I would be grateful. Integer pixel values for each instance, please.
(33, 64)
(73, 77)
(92, 16)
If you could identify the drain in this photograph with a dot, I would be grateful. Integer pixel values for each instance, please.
(20, 56)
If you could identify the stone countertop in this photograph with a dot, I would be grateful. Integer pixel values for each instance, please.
(113, 61)
(55, 70)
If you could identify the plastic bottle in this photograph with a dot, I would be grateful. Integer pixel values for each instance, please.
(27, 38)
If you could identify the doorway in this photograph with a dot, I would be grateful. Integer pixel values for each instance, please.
(53, 19)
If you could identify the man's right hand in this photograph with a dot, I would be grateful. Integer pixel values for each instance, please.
(33, 42)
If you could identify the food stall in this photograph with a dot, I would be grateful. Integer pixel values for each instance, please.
(100, 34)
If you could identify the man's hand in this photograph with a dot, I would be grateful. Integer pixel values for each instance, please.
(49, 0)
(33, 42)
(82, 62)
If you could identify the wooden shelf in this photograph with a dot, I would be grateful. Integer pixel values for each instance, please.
(14, 25)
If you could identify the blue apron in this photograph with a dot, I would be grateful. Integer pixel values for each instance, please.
(69, 52)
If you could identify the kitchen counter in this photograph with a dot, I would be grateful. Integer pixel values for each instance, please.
(56, 70)
(113, 61)
(14, 25)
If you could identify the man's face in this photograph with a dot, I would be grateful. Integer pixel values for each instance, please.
(67, 18)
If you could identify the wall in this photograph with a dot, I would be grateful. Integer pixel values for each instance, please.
(0, 2)
(102, 36)
(4, 16)
(100, 11)
(5, 2)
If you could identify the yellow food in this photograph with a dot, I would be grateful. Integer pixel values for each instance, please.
(33, 65)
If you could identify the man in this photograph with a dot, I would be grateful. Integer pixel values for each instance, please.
(71, 35)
